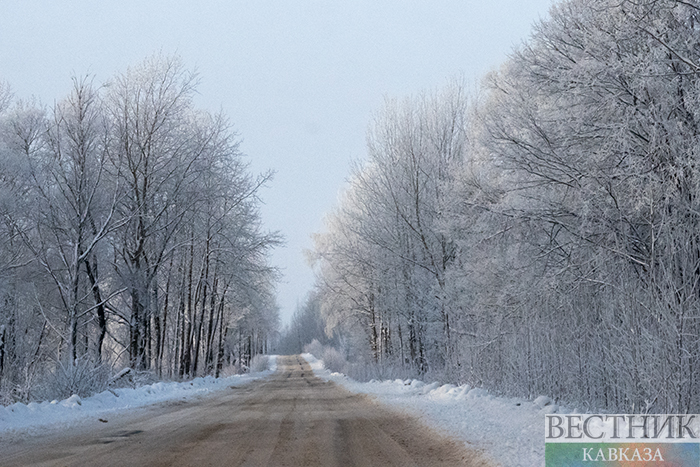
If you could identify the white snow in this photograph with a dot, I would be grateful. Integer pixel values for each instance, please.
(510, 431)
(34, 416)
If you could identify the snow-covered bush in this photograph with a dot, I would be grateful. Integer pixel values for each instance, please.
(83, 377)
(259, 363)
(332, 359)
(315, 348)
(364, 371)
(19, 390)
(230, 370)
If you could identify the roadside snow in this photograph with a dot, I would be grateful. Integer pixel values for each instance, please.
(33, 416)
(510, 431)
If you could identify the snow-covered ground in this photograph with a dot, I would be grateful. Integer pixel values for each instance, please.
(36, 416)
(510, 431)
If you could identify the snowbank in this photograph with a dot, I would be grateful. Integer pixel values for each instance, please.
(32, 416)
(510, 431)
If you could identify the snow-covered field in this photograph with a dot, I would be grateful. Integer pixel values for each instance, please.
(510, 431)
(35, 416)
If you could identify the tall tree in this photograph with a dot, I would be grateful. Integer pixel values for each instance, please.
(155, 149)
(385, 255)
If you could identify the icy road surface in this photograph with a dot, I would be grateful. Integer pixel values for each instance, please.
(291, 418)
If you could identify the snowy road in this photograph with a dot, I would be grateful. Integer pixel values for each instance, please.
(291, 418)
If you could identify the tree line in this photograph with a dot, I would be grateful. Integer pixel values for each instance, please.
(542, 236)
(130, 233)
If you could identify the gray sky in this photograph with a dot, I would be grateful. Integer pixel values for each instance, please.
(299, 79)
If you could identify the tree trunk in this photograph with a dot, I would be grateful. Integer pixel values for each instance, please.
(91, 270)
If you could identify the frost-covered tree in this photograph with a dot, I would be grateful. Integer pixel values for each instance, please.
(557, 250)
(384, 258)
(130, 235)
(155, 150)
(594, 122)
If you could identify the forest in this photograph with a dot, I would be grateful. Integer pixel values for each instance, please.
(130, 238)
(540, 235)
(537, 235)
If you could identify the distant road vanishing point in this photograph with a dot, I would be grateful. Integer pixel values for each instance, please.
(290, 419)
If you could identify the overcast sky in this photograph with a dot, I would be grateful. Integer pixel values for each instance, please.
(299, 79)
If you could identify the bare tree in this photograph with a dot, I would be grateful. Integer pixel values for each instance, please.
(67, 158)
(152, 144)
(385, 255)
